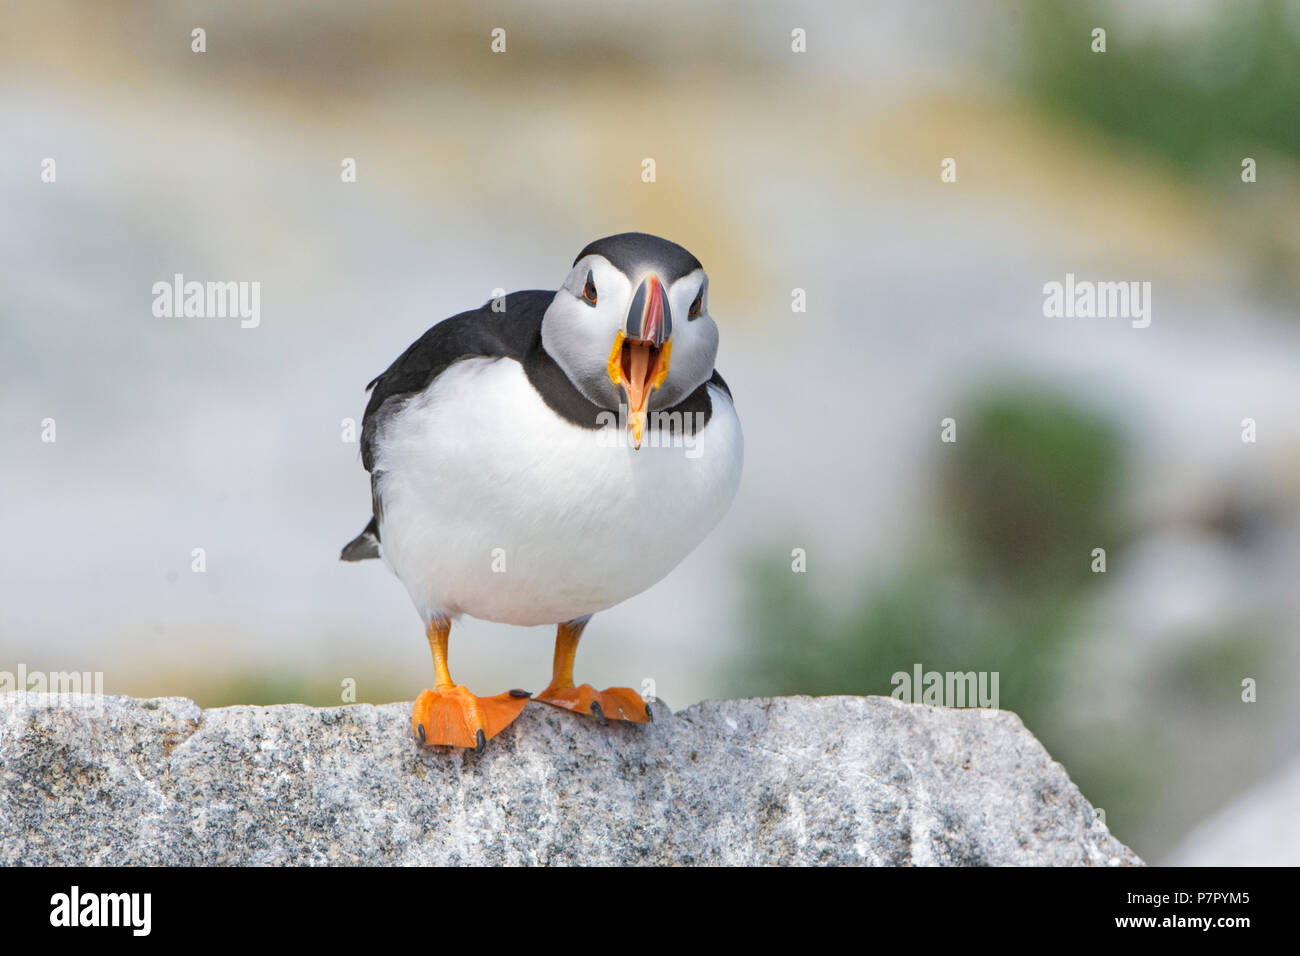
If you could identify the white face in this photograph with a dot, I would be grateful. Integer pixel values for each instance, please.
(580, 334)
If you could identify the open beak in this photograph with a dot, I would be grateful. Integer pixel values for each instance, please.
(639, 359)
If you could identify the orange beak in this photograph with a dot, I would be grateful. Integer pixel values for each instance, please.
(639, 359)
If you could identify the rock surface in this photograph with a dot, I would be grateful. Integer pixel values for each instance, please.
(831, 780)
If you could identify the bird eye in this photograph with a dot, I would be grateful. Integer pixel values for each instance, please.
(589, 290)
(696, 305)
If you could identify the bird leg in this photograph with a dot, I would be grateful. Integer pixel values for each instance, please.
(616, 703)
(449, 715)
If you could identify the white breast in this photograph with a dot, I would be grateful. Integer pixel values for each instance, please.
(496, 507)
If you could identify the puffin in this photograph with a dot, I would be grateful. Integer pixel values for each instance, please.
(545, 457)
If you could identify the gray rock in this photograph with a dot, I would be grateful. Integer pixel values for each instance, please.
(830, 780)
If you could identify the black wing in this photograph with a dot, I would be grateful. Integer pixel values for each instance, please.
(479, 333)
(513, 332)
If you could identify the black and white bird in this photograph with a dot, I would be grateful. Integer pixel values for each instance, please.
(547, 456)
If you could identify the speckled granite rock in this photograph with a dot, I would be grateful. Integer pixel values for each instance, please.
(831, 780)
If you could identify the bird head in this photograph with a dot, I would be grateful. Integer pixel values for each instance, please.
(631, 327)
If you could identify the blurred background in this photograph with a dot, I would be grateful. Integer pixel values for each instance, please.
(781, 170)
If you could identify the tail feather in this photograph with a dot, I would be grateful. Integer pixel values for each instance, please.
(363, 546)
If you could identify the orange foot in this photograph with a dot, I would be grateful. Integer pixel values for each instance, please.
(616, 703)
(453, 717)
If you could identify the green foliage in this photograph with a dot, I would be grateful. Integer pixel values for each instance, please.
(1029, 490)
(1026, 494)
(1187, 91)
(928, 614)
(265, 688)
(1022, 499)
(1200, 661)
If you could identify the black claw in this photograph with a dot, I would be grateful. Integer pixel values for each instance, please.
(648, 715)
(423, 738)
(480, 741)
(598, 712)
(516, 692)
